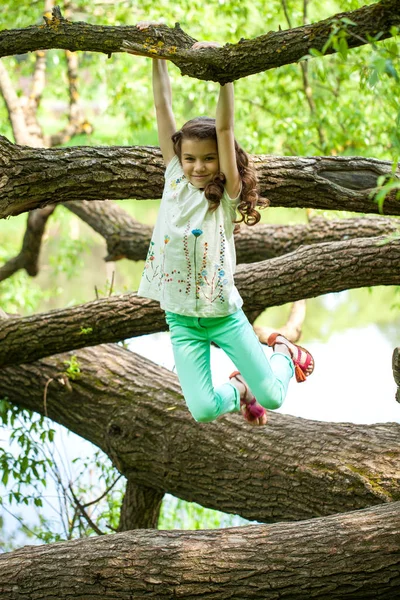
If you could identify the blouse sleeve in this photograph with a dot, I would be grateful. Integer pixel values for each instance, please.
(174, 169)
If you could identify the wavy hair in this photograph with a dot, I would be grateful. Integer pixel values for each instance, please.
(202, 128)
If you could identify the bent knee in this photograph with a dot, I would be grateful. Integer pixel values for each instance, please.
(272, 397)
(203, 412)
(203, 415)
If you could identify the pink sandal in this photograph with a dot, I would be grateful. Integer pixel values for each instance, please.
(300, 365)
(252, 409)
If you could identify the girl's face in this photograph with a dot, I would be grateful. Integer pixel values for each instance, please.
(199, 160)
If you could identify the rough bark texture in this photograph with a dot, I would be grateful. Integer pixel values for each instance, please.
(396, 371)
(133, 409)
(229, 63)
(308, 272)
(33, 177)
(127, 238)
(353, 556)
(140, 507)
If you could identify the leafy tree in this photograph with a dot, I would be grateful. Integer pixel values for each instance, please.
(105, 393)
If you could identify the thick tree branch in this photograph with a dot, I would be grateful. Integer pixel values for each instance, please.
(127, 238)
(308, 272)
(133, 410)
(231, 62)
(31, 178)
(349, 556)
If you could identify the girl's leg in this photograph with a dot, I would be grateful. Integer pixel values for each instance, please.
(268, 380)
(191, 348)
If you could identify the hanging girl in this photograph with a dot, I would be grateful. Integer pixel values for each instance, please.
(191, 262)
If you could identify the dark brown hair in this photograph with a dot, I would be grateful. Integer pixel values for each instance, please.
(202, 128)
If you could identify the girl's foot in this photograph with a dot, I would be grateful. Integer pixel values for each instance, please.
(302, 359)
(252, 411)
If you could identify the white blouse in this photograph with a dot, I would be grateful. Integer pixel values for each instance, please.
(191, 259)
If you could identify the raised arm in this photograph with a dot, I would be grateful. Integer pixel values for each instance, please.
(224, 123)
(225, 131)
(162, 93)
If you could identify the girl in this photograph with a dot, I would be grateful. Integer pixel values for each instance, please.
(191, 261)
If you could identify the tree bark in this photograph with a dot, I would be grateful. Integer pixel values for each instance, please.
(33, 177)
(229, 63)
(140, 508)
(308, 272)
(353, 556)
(133, 410)
(127, 238)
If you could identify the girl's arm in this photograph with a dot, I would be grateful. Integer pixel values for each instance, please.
(224, 123)
(225, 132)
(162, 94)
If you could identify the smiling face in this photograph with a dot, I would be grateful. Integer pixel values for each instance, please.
(199, 160)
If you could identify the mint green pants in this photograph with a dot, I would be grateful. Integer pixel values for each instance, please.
(191, 338)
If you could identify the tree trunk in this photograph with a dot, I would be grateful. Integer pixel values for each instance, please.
(306, 273)
(140, 508)
(353, 556)
(33, 177)
(229, 63)
(133, 410)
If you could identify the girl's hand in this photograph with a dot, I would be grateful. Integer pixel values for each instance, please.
(198, 45)
(146, 24)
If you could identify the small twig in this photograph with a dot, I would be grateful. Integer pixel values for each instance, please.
(84, 513)
(104, 494)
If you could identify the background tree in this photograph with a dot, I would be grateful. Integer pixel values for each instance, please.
(66, 387)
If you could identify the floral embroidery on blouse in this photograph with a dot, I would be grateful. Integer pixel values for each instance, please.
(211, 283)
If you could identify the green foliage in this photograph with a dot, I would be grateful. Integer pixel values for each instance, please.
(86, 330)
(73, 370)
(178, 514)
(26, 467)
(386, 186)
(35, 474)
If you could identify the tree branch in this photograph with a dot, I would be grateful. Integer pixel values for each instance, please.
(34, 177)
(352, 556)
(127, 238)
(133, 410)
(228, 63)
(28, 258)
(308, 272)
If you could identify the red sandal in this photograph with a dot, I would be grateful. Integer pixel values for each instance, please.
(300, 365)
(252, 410)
